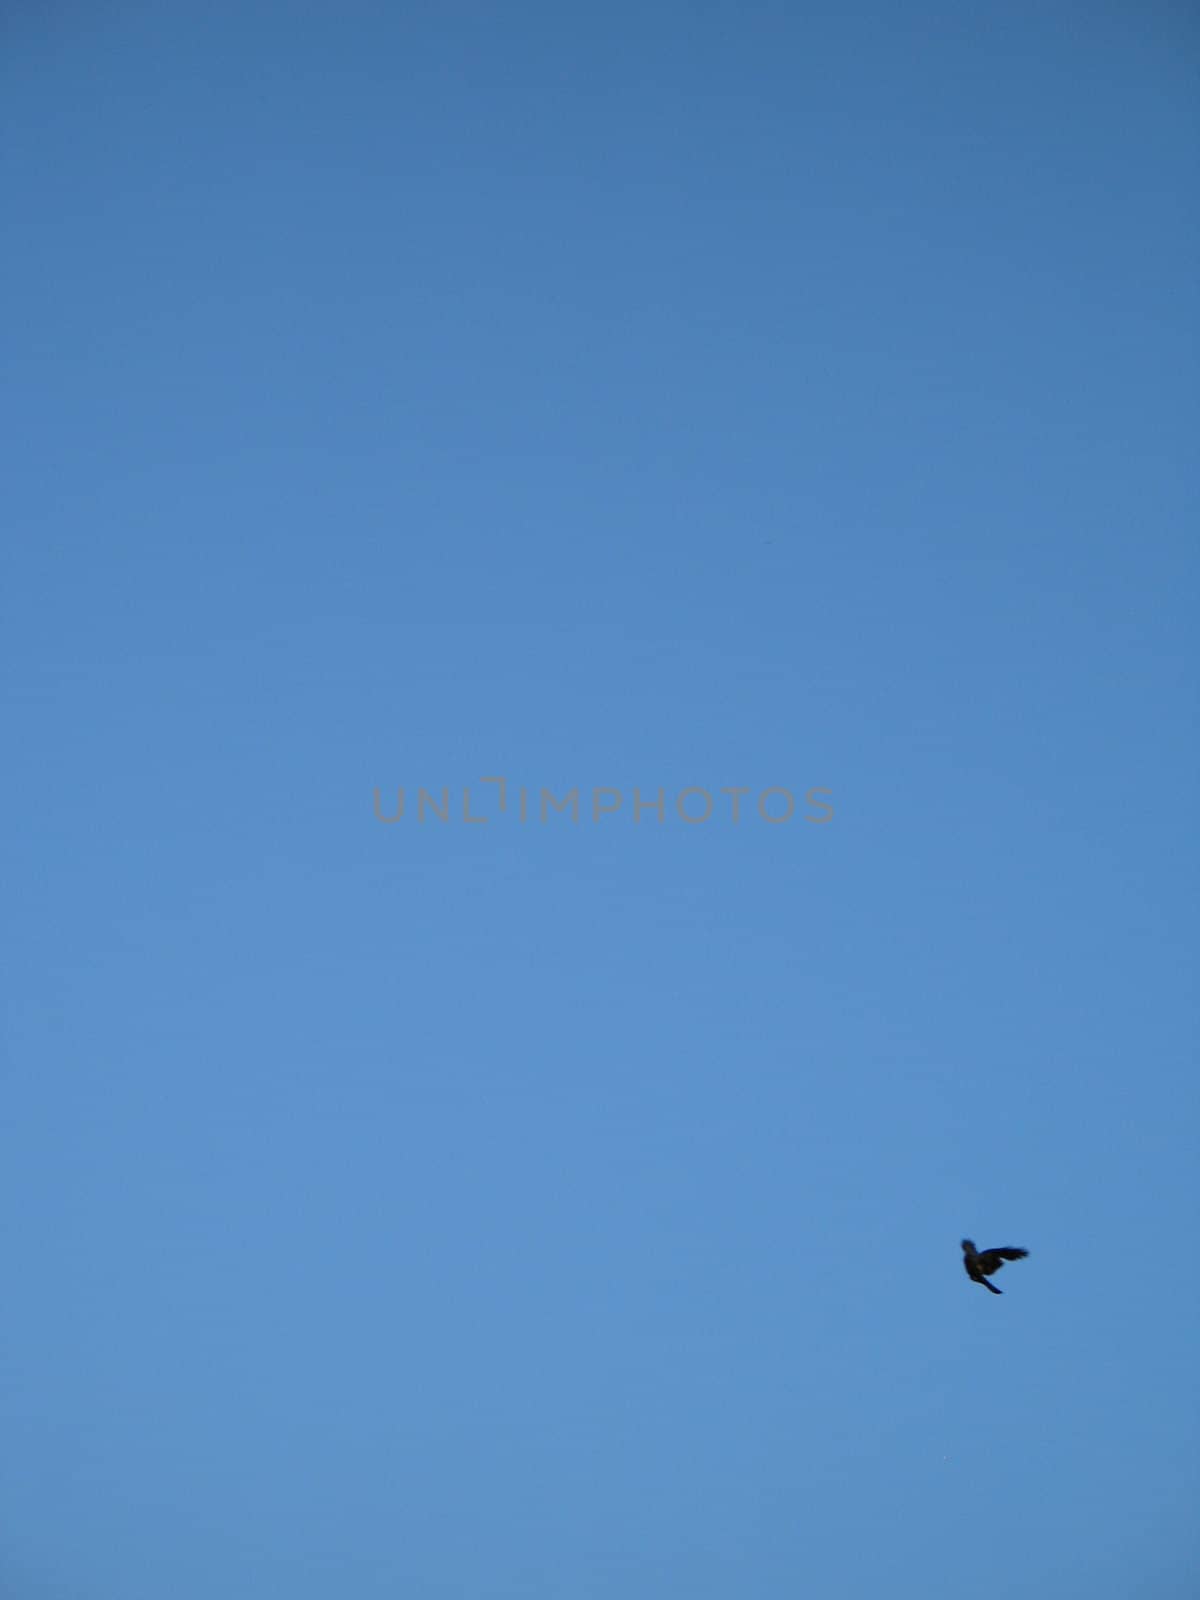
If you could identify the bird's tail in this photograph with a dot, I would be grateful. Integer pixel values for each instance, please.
(990, 1286)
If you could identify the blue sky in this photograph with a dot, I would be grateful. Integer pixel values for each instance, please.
(767, 396)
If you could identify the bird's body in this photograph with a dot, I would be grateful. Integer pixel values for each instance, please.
(980, 1264)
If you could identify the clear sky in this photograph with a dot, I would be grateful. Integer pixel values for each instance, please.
(662, 396)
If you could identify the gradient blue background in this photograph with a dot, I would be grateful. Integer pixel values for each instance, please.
(621, 395)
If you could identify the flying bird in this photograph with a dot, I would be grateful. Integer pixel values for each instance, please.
(980, 1264)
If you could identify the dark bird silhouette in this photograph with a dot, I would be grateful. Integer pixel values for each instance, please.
(980, 1264)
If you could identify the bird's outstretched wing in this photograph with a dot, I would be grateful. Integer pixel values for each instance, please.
(993, 1260)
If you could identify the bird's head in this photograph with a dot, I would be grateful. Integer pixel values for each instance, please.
(968, 1247)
